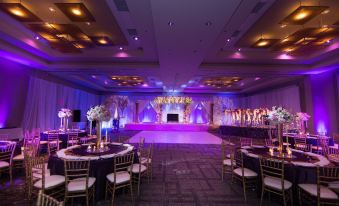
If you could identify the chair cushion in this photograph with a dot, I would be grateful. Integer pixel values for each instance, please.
(227, 162)
(79, 184)
(51, 181)
(325, 192)
(38, 173)
(247, 172)
(19, 157)
(135, 168)
(121, 177)
(275, 183)
(144, 160)
(43, 142)
(4, 164)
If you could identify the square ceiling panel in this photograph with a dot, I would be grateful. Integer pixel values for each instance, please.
(303, 14)
(19, 12)
(76, 12)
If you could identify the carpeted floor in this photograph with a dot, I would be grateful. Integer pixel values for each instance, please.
(183, 174)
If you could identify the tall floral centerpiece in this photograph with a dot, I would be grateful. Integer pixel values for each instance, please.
(99, 113)
(302, 119)
(64, 114)
(279, 116)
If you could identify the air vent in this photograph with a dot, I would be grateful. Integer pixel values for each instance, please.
(258, 7)
(121, 5)
(235, 33)
(132, 32)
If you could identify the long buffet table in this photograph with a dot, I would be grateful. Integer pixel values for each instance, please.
(253, 132)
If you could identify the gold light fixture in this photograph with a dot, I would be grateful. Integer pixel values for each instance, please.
(19, 12)
(102, 40)
(303, 14)
(128, 80)
(76, 12)
(264, 43)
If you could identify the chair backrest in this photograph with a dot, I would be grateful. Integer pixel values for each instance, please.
(45, 200)
(73, 138)
(299, 140)
(269, 142)
(272, 168)
(37, 170)
(323, 142)
(52, 142)
(238, 159)
(76, 169)
(4, 136)
(6, 153)
(123, 162)
(326, 175)
(244, 141)
(226, 148)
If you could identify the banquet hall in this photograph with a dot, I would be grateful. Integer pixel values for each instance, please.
(155, 102)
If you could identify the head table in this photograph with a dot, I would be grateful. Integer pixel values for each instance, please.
(101, 163)
(300, 167)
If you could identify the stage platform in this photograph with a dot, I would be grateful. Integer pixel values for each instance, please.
(167, 127)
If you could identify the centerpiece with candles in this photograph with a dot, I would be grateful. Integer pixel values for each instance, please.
(279, 116)
(99, 113)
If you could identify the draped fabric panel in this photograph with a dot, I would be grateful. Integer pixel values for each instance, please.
(288, 97)
(46, 98)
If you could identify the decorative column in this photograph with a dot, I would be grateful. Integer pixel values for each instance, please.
(137, 112)
(211, 112)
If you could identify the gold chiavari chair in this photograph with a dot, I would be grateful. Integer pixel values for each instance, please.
(121, 177)
(301, 144)
(320, 142)
(333, 154)
(140, 170)
(147, 161)
(323, 193)
(73, 139)
(336, 140)
(6, 159)
(272, 175)
(46, 200)
(78, 181)
(53, 143)
(247, 177)
(141, 144)
(244, 141)
(226, 161)
(269, 143)
(40, 179)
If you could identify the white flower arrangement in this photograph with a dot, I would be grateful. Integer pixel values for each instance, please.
(301, 116)
(99, 113)
(64, 112)
(279, 115)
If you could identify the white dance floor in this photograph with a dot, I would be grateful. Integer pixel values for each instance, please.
(176, 137)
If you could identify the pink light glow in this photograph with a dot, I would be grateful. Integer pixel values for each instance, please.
(145, 85)
(237, 55)
(121, 55)
(284, 56)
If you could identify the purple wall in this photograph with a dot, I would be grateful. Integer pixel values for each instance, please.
(324, 97)
(14, 80)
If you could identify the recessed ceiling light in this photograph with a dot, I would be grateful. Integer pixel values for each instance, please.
(17, 12)
(106, 82)
(88, 23)
(326, 11)
(102, 41)
(301, 15)
(94, 77)
(37, 37)
(145, 85)
(257, 78)
(283, 25)
(170, 23)
(76, 11)
(239, 49)
(121, 48)
(228, 40)
(51, 9)
(136, 38)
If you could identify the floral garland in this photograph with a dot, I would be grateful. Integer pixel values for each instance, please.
(64, 112)
(173, 100)
(279, 115)
(99, 113)
(301, 116)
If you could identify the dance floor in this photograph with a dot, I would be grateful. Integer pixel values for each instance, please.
(178, 137)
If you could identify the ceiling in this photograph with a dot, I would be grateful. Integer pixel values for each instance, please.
(172, 46)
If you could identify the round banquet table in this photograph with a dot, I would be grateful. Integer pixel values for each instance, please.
(101, 164)
(301, 168)
(63, 136)
(312, 140)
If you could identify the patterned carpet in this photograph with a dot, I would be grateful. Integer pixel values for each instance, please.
(183, 174)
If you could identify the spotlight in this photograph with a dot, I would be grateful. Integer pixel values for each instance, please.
(88, 23)
(228, 40)
(17, 12)
(76, 11)
(121, 48)
(102, 41)
(239, 49)
(136, 38)
(37, 37)
(51, 9)
(283, 25)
